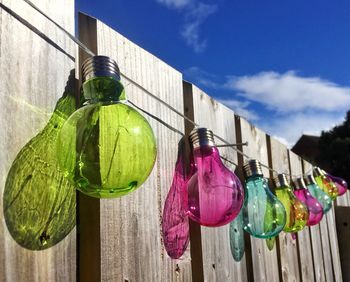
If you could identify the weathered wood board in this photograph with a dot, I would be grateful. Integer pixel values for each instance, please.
(265, 263)
(288, 249)
(36, 60)
(303, 236)
(218, 264)
(131, 248)
(343, 232)
(316, 242)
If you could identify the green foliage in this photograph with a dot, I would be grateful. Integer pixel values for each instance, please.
(335, 149)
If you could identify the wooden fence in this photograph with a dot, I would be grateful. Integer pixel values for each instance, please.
(120, 239)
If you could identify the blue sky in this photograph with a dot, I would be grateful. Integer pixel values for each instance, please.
(284, 65)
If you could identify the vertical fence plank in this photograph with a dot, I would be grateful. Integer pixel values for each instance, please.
(265, 263)
(333, 240)
(303, 236)
(327, 257)
(131, 246)
(36, 60)
(344, 200)
(316, 242)
(287, 246)
(218, 264)
(343, 232)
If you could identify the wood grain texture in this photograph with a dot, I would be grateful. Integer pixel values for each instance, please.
(131, 246)
(333, 240)
(265, 263)
(303, 236)
(327, 256)
(88, 208)
(343, 232)
(315, 235)
(35, 62)
(288, 248)
(218, 264)
(344, 200)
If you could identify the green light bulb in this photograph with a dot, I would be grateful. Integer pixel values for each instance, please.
(325, 184)
(106, 147)
(297, 213)
(264, 215)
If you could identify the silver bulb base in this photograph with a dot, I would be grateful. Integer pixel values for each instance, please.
(251, 168)
(318, 172)
(299, 183)
(281, 180)
(201, 137)
(100, 66)
(309, 180)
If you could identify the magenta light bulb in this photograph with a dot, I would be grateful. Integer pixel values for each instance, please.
(175, 228)
(214, 194)
(341, 184)
(314, 207)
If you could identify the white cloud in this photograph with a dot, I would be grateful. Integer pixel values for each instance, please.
(195, 18)
(175, 3)
(295, 105)
(240, 108)
(195, 14)
(289, 92)
(289, 128)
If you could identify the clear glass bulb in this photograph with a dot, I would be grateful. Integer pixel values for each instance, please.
(314, 207)
(214, 194)
(340, 183)
(318, 193)
(106, 148)
(264, 216)
(175, 227)
(325, 184)
(297, 213)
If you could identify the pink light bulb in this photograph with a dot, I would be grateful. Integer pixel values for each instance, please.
(341, 184)
(314, 207)
(214, 194)
(175, 227)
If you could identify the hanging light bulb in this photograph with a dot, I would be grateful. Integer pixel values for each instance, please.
(314, 207)
(106, 148)
(175, 227)
(325, 184)
(264, 216)
(318, 193)
(214, 194)
(297, 213)
(340, 183)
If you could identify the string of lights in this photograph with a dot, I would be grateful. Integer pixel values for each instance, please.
(83, 47)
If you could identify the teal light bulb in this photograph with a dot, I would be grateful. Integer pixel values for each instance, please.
(106, 148)
(316, 192)
(264, 215)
